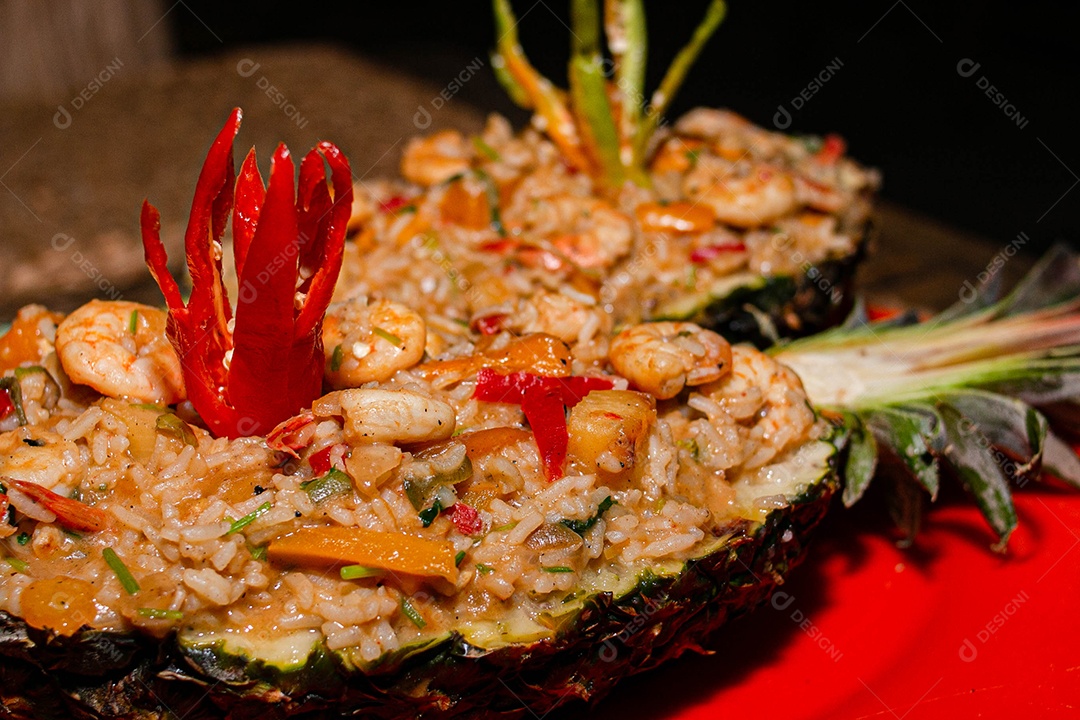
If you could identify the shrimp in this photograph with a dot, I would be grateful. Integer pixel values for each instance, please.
(436, 158)
(599, 234)
(120, 349)
(765, 397)
(367, 342)
(373, 415)
(559, 315)
(662, 358)
(733, 136)
(740, 193)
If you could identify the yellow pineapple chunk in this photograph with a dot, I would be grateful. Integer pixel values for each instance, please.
(608, 430)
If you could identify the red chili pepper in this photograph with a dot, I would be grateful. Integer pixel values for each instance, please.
(72, 514)
(466, 519)
(832, 149)
(501, 246)
(490, 324)
(703, 255)
(6, 406)
(320, 461)
(544, 401)
(395, 203)
(288, 245)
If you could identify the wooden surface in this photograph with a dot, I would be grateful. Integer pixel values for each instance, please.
(70, 199)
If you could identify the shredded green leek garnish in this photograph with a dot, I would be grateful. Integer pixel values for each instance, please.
(251, 517)
(127, 580)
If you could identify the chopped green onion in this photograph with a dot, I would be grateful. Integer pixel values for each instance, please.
(504, 528)
(156, 614)
(133, 322)
(459, 557)
(484, 569)
(387, 336)
(583, 526)
(428, 515)
(355, 572)
(172, 424)
(491, 153)
(558, 569)
(690, 445)
(17, 564)
(332, 483)
(127, 580)
(410, 612)
(251, 517)
(336, 358)
(258, 552)
(692, 156)
(149, 406)
(23, 538)
(588, 91)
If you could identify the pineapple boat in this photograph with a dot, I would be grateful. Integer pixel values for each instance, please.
(214, 512)
(752, 233)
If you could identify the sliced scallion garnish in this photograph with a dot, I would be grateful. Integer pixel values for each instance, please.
(127, 580)
(251, 517)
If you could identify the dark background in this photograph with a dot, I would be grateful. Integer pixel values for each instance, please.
(945, 148)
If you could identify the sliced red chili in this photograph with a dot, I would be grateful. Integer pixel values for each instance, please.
(544, 401)
(703, 255)
(394, 203)
(466, 519)
(6, 406)
(246, 377)
(320, 461)
(490, 324)
(832, 149)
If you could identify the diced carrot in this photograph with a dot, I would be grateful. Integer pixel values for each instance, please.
(464, 208)
(538, 353)
(394, 552)
(72, 514)
(681, 217)
(491, 441)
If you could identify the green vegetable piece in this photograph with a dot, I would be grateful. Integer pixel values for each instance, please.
(588, 90)
(490, 152)
(258, 552)
(458, 558)
(23, 538)
(172, 424)
(14, 390)
(356, 572)
(337, 357)
(133, 322)
(335, 482)
(583, 526)
(484, 569)
(157, 614)
(251, 517)
(861, 460)
(410, 612)
(18, 565)
(388, 336)
(558, 569)
(127, 580)
(428, 515)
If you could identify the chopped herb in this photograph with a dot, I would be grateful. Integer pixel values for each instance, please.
(583, 526)
(410, 612)
(133, 322)
(251, 517)
(156, 614)
(258, 552)
(337, 357)
(72, 534)
(355, 572)
(484, 569)
(493, 202)
(570, 597)
(504, 528)
(23, 538)
(558, 569)
(692, 156)
(148, 406)
(388, 336)
(690, 445)
(491, 153)
(428, 515)
(660, 503)
(17, 564)
(127, 580)
(172, 424)
(332, 483)
(457, 558)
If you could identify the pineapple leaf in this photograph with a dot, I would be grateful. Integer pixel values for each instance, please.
(1060, 460)
(905, 504)
(912, 432)
(996, 421)
(861, 458)
(980, 474)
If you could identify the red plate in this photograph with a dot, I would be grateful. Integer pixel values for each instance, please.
(863, 629)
